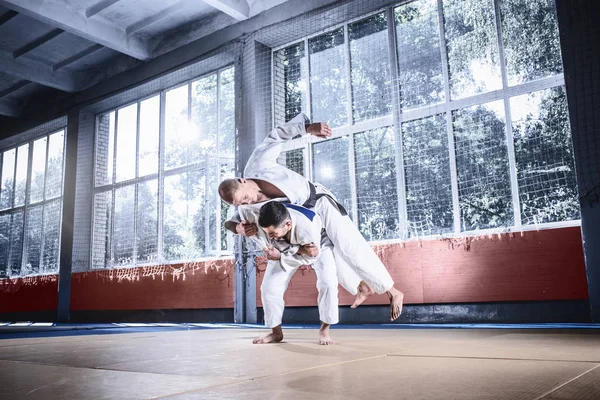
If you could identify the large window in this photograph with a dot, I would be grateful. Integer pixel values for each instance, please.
(158, 164)
(449, 116)
(31, 206)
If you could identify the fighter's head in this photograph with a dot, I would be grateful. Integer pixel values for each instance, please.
(239, 191)
(274, 218)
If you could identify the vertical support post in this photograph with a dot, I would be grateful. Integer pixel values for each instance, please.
(25, 240)
(136, 187)
(449, 129)
(579, 30)
(510, 143)
(398, 142)
(68, 218)
(350, 120)
(161, 176)
(305, 66)
(239, 289)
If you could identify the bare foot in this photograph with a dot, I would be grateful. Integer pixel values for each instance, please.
(396, 299)
(364, 291)
(324, 336)
(274, 337)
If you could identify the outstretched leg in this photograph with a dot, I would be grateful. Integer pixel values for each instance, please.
(350, 280)
(352, 247)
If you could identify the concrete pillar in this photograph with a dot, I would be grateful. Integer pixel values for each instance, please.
(579, 36)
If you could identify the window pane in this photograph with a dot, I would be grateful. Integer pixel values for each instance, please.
(54, 179)
(330, 168)
(21, 175)
(124, 220)
(147, 222)
(328, 78)
(290, 89)
(293, 159)
(544, 157)
(102, 229)
(482, 163)
(227, 113)
(531, 41)
(472, 45)
(126, 142)
(201, 139)
(149, 130)
(16, 239)
(420, 61)
(177, 128)
(51, 249)
(427, 174)
(4, 244)
(375, 155)
(211, 210)
(34, 240)
(8, 176)
(105, 147)
(227, 172)
(370, 66)
(184, 233)
(38, 170)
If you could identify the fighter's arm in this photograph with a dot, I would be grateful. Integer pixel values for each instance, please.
(238, 225)
(269, 150)
(243, 228)
(309, 238)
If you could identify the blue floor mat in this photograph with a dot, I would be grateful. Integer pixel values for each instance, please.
(36, 330)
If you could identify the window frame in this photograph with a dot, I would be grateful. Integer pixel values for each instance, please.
(160, 175)
(399, 116)
(27, 204)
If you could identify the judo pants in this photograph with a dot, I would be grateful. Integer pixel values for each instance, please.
(355, 259)
(276, 280)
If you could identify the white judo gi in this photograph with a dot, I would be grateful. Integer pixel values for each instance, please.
(354, 257)
(306, 228)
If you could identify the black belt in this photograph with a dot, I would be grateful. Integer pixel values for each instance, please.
(312, 200)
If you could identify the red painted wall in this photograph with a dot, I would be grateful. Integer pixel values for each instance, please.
(535, 265)
(36, 293)
(194, 285)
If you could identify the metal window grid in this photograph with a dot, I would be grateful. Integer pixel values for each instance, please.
(399, 116)
(163, 172)
(12, 210)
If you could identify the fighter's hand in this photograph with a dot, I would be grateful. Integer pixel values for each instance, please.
(319, 129)
(309, 250)
(272, 253)
(246, 228)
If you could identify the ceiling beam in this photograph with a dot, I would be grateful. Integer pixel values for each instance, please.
(38, 72)
(37, 43)
(138, 26)
(238, 9)
(96, 8)
(8, 16)
(10, 108)
(65, 17)
(68, 61)
(14, 88)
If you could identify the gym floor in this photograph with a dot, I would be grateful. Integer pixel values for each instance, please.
(219, 361)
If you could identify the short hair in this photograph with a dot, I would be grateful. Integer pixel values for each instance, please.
(227, 189)
(273, 214)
